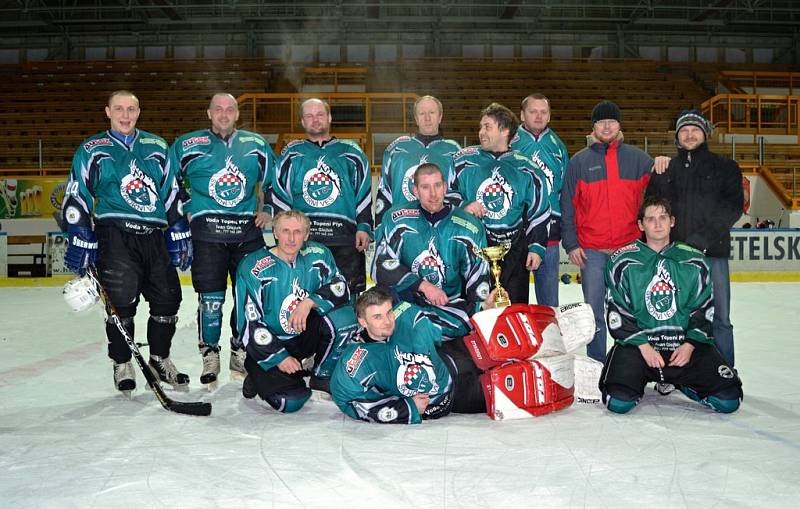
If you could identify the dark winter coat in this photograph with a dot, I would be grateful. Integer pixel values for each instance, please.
(705, 191)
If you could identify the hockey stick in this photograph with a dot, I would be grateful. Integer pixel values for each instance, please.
(188, 408)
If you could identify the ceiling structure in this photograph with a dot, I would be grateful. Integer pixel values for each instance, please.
(372, 21)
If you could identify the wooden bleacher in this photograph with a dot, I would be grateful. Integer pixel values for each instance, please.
(60, 103)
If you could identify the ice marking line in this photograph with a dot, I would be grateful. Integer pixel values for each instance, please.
(766, 434)
(37, 368)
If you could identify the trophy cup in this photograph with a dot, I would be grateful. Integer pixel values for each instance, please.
(493, 255)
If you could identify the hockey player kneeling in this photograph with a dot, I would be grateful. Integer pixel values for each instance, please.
(525, 351)
(291, 306)
(660, 312)
(399, 372)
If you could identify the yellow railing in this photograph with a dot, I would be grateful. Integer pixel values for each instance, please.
(754, 113)
(355, 115)
(743, 82)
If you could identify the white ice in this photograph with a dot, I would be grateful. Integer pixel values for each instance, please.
(67, 439)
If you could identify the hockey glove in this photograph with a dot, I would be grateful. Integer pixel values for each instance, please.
(179, 244)
(82, 249)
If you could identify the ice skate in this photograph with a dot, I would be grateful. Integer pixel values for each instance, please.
(166, 372)
(125, 378)
(210, 374)
(236, 364)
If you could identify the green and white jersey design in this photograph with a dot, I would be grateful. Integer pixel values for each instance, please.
(268, 289)
(549, 153)
(409, 248)
(513, 191)
(376, 382)
(223, 179)
(331, 183)
(663, 298)
(119, 184)
(401, 159)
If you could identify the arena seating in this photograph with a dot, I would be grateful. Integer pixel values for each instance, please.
(56, 104)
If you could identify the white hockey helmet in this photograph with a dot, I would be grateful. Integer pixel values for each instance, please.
(81, 294)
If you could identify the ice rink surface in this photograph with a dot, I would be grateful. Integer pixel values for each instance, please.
(67, 439)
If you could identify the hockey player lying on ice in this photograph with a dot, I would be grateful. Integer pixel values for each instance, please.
(660, 310)
(400, 372)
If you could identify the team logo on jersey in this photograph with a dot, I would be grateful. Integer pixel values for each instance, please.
(415, 374)
(262, 336)
(408, 179)
(321, 185)
(660, 294)
(429, 265)
(495, 194)
(483, 290)
(228, 185)
(138, 190)
(289, 304)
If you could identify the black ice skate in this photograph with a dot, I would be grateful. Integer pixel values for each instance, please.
(166, 372)
(124, 377)
(210, 366)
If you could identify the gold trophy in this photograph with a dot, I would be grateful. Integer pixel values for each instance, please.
(494, 255)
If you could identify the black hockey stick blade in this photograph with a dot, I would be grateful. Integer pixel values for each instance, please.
(181, 407)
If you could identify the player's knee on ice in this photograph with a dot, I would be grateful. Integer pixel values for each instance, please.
(620, 399)
(289, 401)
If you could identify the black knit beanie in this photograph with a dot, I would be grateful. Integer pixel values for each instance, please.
(606, 110)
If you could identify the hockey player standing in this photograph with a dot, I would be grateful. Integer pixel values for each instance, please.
(426, 251)
(509, 194)
(660, 312)
(287, 300)
(394, 374)
(706, 193)
(402, 157)
(536, 140)
(329, 179)
(119, 198)
(224, 170)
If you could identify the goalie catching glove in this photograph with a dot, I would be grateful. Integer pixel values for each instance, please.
(523, 331)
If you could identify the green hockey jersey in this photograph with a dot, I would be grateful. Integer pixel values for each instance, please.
(663, 298)
(549, 154)
(268, 289)
(410, 248)
(513, 191)
(223, 179)
(331, 183)
(401, 159)
(119, 184)
(375, 382)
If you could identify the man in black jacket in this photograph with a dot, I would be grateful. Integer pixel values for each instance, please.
(706, 194)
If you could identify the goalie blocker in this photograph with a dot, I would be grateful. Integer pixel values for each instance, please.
(524, 350)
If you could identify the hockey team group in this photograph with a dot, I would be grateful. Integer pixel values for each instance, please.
(651, 239)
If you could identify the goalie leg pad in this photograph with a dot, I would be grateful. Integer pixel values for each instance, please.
(587, 378)
(523, 331)
(530, 388)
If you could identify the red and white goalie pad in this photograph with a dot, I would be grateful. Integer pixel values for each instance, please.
(525, 389)
(523, 331)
